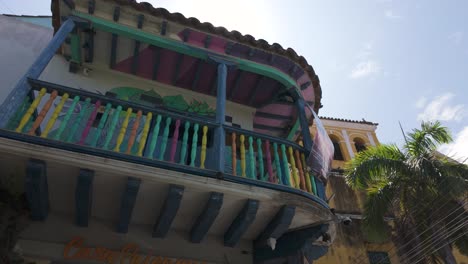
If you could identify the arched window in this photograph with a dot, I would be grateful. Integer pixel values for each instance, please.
(338, 155)
(359, 144)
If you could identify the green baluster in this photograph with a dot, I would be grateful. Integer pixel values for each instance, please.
(252, 159)
(312, 181)
(98, 131)
(84, 109)
(261, 169)
(193, 154)
(113, 125)
(165, 137)
(14, 122)
(154, 138)
(65, 120)
(279, 173)
(287, 173)
(183, 150)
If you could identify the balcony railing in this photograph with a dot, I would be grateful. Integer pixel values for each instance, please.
(79, 120)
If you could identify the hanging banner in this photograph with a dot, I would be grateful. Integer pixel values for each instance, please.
(321, 154)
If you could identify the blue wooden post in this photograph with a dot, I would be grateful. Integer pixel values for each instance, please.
(14, 100)
(219, 134)
(300, 104)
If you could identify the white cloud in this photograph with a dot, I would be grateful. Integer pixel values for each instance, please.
(456, 37)
(364, 69)
(421, 102)
(440, 108)
(459, 148)
(389, 14)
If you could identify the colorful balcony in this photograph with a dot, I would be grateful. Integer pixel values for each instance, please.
(157, 169)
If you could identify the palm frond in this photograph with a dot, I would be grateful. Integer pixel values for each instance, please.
(427, 139)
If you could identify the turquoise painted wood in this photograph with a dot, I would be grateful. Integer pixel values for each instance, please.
(13, 123)
(183, 150)
(154, 138)
(78, 120)
(279, 173)
(65, 120)
(251, 173)
(102, 122)
(261, 168)
(287, 174)
(165, 138)
(112, 127)
(193, 154)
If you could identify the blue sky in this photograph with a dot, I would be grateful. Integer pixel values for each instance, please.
(382, 60)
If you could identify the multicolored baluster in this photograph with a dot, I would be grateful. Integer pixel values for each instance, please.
(203, 147)
(154, 138)
(165, 138)
(183, 150)
(287, 173)
(30, 110)
(54, 116)
(43, 113)
(193, 154)
(175, 138)
(242, 153)
(144, 134)
(78, 120)
(302, 182)
(131, 139)
(306, 173)
(90, 122)
(269, 163)
(295, 176)
(112, 127)
(279, 173)
(102, 122)
(13, 122)
(252, 174)
(65, 120)
(234, 153)
(261, 168)
(123, 130)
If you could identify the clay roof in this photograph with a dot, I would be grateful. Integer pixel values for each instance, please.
(363, 121)
(220, 31)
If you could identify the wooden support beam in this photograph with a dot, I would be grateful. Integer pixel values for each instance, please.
(115, 37)
(163, 27)
(278, 225)
(83, 197)
(36, 189)
(219, 133)
(206, 219)
(168, 211)
(236, 85)
(197, 74)
(242, 222)
(136, 50)
(128, 203)
(175, 77)
(156, 61)
(254, 92)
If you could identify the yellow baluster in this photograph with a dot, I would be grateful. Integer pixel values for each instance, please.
(203, 147)
(123, 130)
(54, 117)
(30, 111)
(242, 153)
(144, 134)
(295, 176)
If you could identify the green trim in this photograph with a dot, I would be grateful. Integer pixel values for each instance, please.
(180, 47)
(294, 130)
(75, 48)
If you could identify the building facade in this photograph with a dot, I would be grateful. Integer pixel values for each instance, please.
(141, 136)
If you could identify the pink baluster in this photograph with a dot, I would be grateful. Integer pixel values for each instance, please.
(269, 166)
(90, 122)
(175, 137)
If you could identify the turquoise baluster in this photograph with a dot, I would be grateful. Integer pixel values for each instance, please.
(261, 168)
(13, 123)
(154, 138)
(113, 125)
(78, 119)
(193, 154)
(102, 122)
(279, 173)
(252, 159)
(165, 137)
(65, 120)
(287, 174)
(183, 150)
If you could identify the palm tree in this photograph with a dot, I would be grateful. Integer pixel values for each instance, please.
(424, 190)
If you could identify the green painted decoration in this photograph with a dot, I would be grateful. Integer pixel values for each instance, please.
(102, 122)
(113, 125)
(14, 122)
(287, 173)
(193, 154)
(78, 120)
(65, 120)
(165, 138)
(154, 138)
(183, 150)
(261, 168)
(251, 174)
